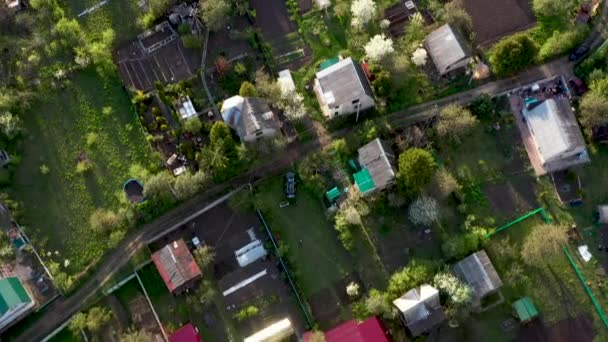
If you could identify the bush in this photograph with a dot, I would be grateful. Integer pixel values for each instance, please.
(84, 166)
(512, 54)
(191, 41)
(414, 274)
(247, 312)
(562, 42)
(104, 220)
(248, 90)
(416, 168)
(193, 125)
(459, 246)
(455, 123)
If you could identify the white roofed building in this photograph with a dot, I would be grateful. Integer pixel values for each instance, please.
(420, 309)
(343, 89)
(185, 108)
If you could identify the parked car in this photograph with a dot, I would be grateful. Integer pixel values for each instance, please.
(290, 185)
(579, 53)
(577, 85)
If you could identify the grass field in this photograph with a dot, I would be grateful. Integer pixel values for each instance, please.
(320, 259)
(58, 204)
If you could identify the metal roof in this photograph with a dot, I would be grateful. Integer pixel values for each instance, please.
(378, 158)
(420, 308)
(554, 128)
(12, 293)
(343, 82)
(364, 181)
(477, 271)
(333, 194)
(370, 330)
(525, 309)
(176, 264)
(447, 47)
(247, 115)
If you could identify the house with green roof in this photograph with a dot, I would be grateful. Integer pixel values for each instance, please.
(15, 302)
(378, 171)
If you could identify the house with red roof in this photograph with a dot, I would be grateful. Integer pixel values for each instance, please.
(370, 330)
(187, 333)
(177, 266)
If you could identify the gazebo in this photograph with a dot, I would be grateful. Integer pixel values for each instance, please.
(134, 191)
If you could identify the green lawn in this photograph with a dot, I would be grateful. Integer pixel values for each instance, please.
(58, 205)
(320, 260)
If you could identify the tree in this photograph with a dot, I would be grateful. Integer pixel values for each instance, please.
(561, 42)
(97, 317)
(352, 290)
(593, 110)
(444, 184)
(188, 184)
(159, 186)
(104, 220)
(343, 228)
(419, 57)
(7, 253)
(205, 256)
(134, 335)
(203, 295)
(214, 13)
(416, 168)
(544, 243)
(482, 107)
(414, 274)
(512, 54)
(378, 48)
(377, 303)
(78, 323)
(459, 246)
(292, 105)
(267, 87)
(424, 211)
(193, 125)
(414, 29)
(382, 84)
(363, 11)
(556, 9)
(455, 123)
(10, 125)
(317, 336)
(247, 90)
(458, 292)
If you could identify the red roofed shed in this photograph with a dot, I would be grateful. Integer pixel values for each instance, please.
(187, 333)
(176, 266)
(370, 330)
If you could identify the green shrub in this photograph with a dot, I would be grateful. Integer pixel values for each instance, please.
(84, 166)
(512, 54)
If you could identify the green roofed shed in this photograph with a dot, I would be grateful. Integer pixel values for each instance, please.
(333, 194)
(525, 309)
(364, 181)
(329, 62)
(12, 294)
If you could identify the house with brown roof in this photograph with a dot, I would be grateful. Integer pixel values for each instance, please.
(177, 266)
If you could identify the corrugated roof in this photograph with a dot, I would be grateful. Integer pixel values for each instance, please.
(12, 293)
(420, 308)
(176, 264)
(447, 46)
(333, 194)
(525, 309)
(364, 181)
(370, 330)
(378, 158)
(186, 333)
(554, 128)
(345, 81)
(477, 271)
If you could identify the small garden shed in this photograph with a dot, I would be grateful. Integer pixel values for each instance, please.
(525, 310)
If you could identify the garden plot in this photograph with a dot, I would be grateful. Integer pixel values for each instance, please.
(240, 286)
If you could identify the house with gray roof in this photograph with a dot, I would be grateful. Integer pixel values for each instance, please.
(448, 49)
(250, 117)
(343, 89)
(378, 171)
(479, 273)
(557, 141)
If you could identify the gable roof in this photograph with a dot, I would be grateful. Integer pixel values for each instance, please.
(447, 46)
(378, 158)
(186, 333)
(420, 308)
(342, 82)
(12, 293)
(477, 271)
(370, 330)
(247, 115)
(554, 128)
(176, 264)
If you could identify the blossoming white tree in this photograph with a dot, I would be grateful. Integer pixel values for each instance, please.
(459, 292)
(363, 11)
(419, 57)
(424, 211)
(379, 47)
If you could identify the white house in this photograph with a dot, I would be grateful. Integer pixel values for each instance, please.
(449, 50)
(420, 309)
(14, 301)
(558, 141)
(250, 117)
(343, 89)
